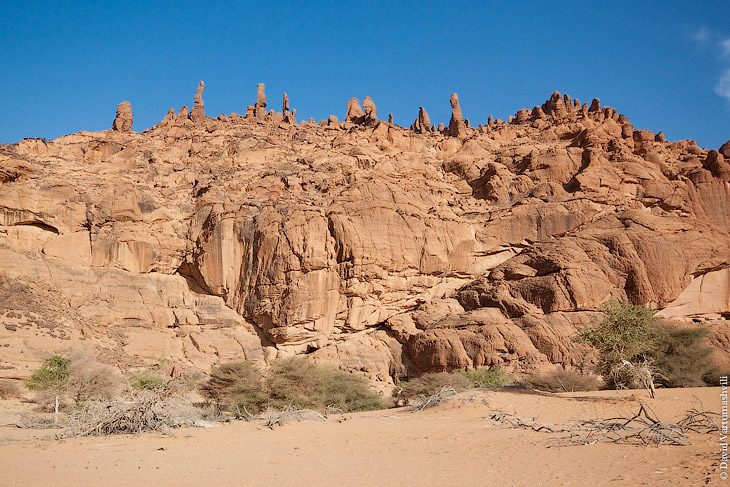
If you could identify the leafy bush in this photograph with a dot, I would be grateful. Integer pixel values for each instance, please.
(626, 335)
(298, 382)
(290, 382)
(564, 380)
(637, 349)
(52, 376)
(145, 381)
(239, 383)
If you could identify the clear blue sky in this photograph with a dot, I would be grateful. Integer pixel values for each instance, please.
(65, 65)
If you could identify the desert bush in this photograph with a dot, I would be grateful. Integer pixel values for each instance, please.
(564, 380)
(434, 382)
(431, 383)
(627, 333)
(89, 379)
(144, 410)
(9, 389)
(53, 375)
(680, 356)
(298, 382)
(637, 349)
(494, 377)
(146, 381)
(239, 384)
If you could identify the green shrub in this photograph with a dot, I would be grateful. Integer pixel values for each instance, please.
(564, 380)
(626, 334)
(52, 376)
(146, 380)
(496, 377)
(298, 382)
(237, 383)
(637, 349)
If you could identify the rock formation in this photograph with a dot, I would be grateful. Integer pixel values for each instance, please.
(197, 114)
(354, 111)
(386, 253)
(424, 122)
(725, 149)
(260, 107)
(371, 113)
(457, 128)
(123, 120)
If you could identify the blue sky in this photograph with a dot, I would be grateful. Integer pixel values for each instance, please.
(66, 65)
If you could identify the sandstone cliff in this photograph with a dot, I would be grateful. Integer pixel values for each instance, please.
(386, 250)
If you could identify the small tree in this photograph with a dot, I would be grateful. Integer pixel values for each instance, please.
(625, 339)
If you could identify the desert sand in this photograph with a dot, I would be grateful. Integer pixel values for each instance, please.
(451, 444)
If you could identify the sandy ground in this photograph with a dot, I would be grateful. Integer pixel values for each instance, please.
(452, 444)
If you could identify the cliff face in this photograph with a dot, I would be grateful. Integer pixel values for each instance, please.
(387, 251)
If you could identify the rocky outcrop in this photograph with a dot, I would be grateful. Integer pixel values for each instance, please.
(371, 112)
(260, 107)
(363, 244)
(457, 127)
(354, 111)
(725, 149)
(197, 114)
(123, 120)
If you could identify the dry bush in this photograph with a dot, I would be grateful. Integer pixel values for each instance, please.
(564, 380)
(89, 379)
(146, 381)
(238, 384)
(437, 385)
(10, 389)
(147, 410)
(681, 357)
(429, 384)
(298, 382)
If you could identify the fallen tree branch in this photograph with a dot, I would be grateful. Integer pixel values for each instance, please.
(641, 428)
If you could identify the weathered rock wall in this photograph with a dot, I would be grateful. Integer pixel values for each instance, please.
(387, 251)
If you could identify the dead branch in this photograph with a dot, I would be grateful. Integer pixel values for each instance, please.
(641, 428)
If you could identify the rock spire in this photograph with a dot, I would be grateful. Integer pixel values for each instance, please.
(124, 118)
